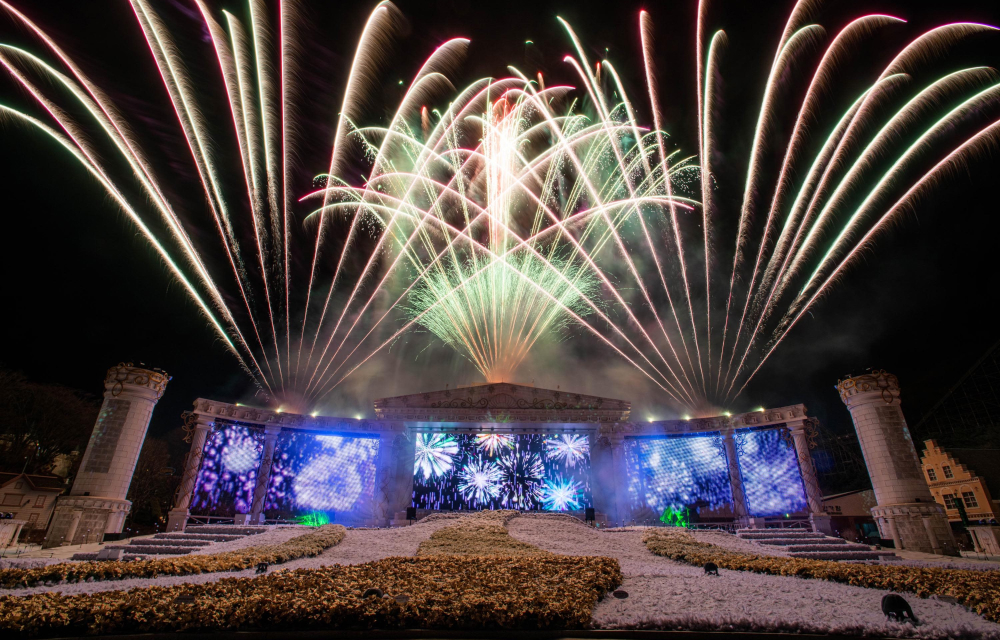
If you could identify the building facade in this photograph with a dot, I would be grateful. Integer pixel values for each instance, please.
(31, 499)
(950, 481)
(245, 463)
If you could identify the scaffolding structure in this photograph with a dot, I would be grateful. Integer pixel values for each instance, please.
(968, 415)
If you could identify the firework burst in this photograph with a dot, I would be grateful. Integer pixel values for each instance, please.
(491, 443)
(570, 449)
(523, 473)
(561, 495)
(435, 454)
(518, 209)
(479, 481)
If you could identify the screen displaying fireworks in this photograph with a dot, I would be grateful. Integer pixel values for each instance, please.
(328, 474)
(502, 471)
(676, 473)
(680, 473)
(228, 471)
(771, 477)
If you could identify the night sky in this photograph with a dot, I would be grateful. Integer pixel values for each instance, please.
(82, 291)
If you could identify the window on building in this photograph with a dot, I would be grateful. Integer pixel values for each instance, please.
(970, 499)
(949, 501)
(12, 499)
(932, 475)
(33, 519)
(18, 485)
(947, 472)
(40, 501)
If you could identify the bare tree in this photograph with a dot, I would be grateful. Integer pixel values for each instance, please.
(38, 422)
(152, 484)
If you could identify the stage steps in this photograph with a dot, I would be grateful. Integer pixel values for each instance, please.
(814, 546)
(172, 544)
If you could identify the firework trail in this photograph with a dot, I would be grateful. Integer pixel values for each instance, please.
(517, 211)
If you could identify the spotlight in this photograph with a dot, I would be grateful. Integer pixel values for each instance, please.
(759, 409)
(687, 417)
(359, 417)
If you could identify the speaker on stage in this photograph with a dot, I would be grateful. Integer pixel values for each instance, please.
(589, 514)
(411, 513)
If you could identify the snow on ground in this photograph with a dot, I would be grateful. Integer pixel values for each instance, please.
(668, 594)
(366, 545)
(662, 593)
(358, 546)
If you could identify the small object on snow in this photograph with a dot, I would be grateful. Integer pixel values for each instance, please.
(711, 569)
(372, 592)
(261, 568)
(895, 607)
(400, 599)
(621, 594)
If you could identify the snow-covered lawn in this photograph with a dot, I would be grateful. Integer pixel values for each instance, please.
(662, 593)
(667, 594)
(358, 546)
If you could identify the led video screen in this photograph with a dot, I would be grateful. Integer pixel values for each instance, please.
(501, 471)
(332, 474)
(770, 470)
(677, 473)
(228, 471)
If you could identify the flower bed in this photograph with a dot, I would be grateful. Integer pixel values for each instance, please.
(430, 592)
(480, 534)
(309, 544)
(977, 590)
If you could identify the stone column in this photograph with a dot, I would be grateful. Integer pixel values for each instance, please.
(814, 496)
(740, 509)
(264, 474)
(178, 516)
(903, 498)
(99, 492)
(617, 442)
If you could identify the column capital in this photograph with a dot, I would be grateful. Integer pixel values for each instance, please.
(877, 386)
(272, 430)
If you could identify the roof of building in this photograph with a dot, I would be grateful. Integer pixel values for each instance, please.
(982, 463)
(503, 400)
(38, 483)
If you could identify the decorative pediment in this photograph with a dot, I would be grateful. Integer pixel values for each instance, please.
(502, 402)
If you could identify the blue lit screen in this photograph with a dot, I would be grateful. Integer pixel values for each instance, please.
(333, 474)
(501, 471)
(770, 470)
(228, 471)
(677, 472)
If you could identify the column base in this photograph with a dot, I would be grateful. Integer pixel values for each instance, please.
(85, 519)
(750, 522)
(177, 520)
(821, 523)
(919, 526)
